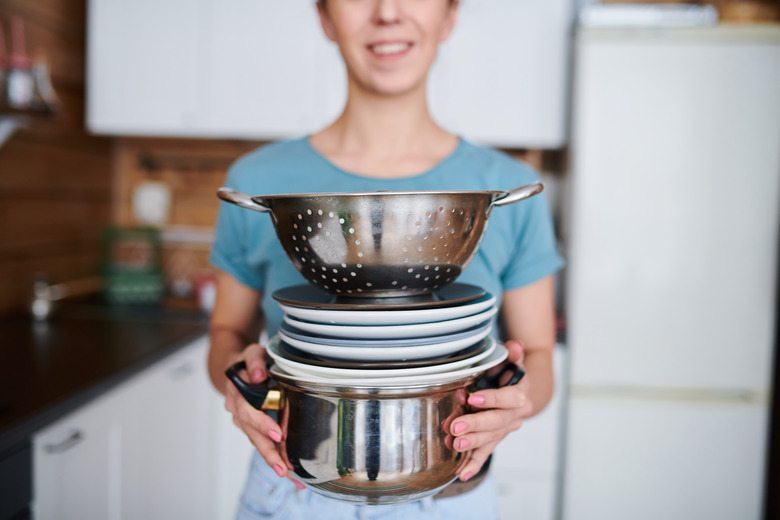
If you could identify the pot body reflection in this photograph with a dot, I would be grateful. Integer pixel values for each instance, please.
(371, 445)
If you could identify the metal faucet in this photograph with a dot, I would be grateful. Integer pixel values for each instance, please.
(44, 294)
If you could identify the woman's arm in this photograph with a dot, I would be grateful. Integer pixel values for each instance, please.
(234, 330)
(529, 315)
(235, 323)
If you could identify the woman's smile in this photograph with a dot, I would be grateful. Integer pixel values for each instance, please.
(390, 50)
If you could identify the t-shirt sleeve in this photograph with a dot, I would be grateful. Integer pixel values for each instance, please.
(535, 254)
(229, 251)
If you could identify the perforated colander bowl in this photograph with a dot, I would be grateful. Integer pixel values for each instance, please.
(380, 244)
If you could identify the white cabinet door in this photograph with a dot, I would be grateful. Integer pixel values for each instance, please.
(231, 453)
(502, 77)
(262, 69)
(144, 71)
(269, 70)
(676, 460)
(166, 439)
(76, 466)
(143, 450)
(674, 221)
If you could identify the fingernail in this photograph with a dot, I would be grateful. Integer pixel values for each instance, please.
(278, 469)
(299, 485)
(257, 375)
(477, 400)
(463, 444)
(458, 428)
(275, 435)
(467, 476)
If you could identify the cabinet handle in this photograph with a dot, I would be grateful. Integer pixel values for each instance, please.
(61, 447)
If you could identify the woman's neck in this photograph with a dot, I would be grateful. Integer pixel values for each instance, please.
(385, 136)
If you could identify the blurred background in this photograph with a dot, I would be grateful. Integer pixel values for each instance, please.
(655, 126)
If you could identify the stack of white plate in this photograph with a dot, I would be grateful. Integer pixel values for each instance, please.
(380, 339)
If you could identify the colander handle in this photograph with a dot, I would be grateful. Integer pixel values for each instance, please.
(241, 199)
(518, 194)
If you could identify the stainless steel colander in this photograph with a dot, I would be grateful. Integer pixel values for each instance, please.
(384, 243)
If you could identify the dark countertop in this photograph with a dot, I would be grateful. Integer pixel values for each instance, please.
(48, 369)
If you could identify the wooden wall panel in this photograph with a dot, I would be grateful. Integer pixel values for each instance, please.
(55, 179)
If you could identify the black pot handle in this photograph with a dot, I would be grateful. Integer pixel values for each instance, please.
(254, 394)
(493, 381)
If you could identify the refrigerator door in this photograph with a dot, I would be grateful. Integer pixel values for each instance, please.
(650, 459)
(672, 245)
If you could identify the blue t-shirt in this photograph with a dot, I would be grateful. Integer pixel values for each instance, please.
(518, 247)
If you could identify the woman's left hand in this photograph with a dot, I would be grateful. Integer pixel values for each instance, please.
(502, 411)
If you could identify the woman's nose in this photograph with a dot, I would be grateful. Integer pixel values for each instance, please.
(388, 11)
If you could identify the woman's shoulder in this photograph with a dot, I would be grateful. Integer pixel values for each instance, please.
(496, 166)
(270, 164)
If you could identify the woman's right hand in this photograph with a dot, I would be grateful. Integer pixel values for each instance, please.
(263, 432)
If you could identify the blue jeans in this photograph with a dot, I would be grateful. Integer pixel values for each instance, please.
(266, 496)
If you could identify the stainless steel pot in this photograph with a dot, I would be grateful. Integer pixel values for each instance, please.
(367, 445)
(381, 244)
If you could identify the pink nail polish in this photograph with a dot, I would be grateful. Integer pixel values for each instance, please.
(299, 485)
(275, 436)
(467, 476)
(477, 400)
(458, 428)
(463, 444)
(278, 469)
(257, 375)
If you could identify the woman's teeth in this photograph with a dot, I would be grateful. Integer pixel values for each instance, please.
(390, 48)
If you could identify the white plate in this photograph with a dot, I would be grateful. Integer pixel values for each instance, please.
(290, 332)
(294, 367)
(390, 317)
(498, 355)
(416, 330)
(387, 353)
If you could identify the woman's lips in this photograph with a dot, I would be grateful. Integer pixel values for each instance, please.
(389, 49)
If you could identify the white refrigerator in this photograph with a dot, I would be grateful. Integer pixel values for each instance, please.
(672, 246)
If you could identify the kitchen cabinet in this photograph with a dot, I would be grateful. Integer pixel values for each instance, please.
(140, 451)
(143, 66)
(76, 465)
(262, 69)
(166, 439)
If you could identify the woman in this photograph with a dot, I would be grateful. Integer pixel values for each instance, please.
(385, 139)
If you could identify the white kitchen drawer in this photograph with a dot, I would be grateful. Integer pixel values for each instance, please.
(75, 465)
(141, 450)
(675, 460)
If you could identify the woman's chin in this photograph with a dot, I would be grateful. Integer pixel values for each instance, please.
(394, 87)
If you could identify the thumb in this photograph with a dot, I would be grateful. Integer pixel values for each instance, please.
(254, 356)
(516, 351)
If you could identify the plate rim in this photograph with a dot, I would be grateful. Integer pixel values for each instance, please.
(378, 373)
(396, 352)
(499, 355)
(393, 317)
(408, 330)
(371, 304)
